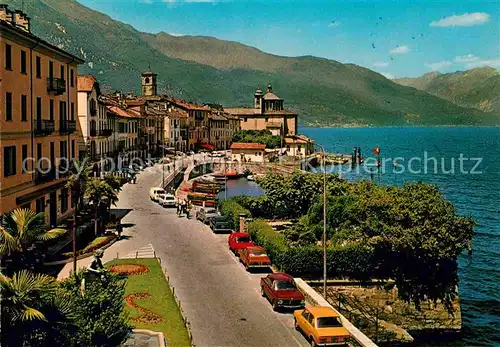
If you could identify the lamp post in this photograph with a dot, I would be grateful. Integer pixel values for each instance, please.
(324, 219)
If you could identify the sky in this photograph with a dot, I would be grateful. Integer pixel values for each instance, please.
(397, 38)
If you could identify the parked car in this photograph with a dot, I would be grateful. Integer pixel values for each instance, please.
(168, 200)
(280, 290)
(238, 241)
(255, 257)
(206, 214)
(220, 225)
(321, 325)
(155, 193)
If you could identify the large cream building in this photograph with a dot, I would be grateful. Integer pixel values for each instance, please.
(268, 112)
(38, 120)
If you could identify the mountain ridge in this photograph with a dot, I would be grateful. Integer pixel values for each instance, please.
(476, 88)
(323, 91)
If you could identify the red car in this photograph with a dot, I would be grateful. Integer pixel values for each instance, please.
(254, 257)
(238, 241)
(280, 290)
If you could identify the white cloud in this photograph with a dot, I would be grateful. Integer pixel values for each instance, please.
(463, 20)
(466, 58)
(439, 65)
(334, 25)
(387, 75)
(400, 50)
(484, 62)
(381, 64)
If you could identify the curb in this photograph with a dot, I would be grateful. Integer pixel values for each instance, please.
(161, 338)
(178, 302)
(80, 257)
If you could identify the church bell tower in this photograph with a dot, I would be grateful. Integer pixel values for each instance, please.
(148, 80)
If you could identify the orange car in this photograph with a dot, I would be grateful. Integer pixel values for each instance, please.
(321, 325)
(254, 257)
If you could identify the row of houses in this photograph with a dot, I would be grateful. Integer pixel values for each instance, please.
(50, 116)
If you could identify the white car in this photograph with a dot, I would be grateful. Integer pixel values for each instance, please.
(157, 193)
(168, 200)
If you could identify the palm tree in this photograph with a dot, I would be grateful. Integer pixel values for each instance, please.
(19, 231)
(33, 309)
(102, 196)
(77, 182)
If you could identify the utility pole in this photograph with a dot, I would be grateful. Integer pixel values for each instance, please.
(225, 175)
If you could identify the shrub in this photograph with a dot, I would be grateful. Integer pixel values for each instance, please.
(232, 210)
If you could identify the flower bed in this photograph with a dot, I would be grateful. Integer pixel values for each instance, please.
(129, 269)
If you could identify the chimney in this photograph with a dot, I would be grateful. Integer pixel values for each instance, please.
(22, 21)
(5, 14)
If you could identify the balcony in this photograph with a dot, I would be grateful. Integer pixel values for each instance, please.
(56, 85)
(44, 175)
(43, 127)
(67, 126)
(105, 132)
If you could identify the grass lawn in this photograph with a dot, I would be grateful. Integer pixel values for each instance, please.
(161, 302)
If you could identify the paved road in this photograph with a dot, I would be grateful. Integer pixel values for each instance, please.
(221, 300)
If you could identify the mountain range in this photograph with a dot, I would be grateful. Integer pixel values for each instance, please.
(478, 88)
(205, 69)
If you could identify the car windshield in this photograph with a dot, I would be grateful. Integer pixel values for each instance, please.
(222, 225)
(243, 239)
(169, 198)
(284, 285)
(160, 191)
(328, 322)
(212, 211)
(257, 252)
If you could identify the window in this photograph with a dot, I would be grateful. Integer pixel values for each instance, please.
(72, 111)
(72, 148)
(23, 62)
(38, 67)
(62, 72)
(245, 119)
(8, 57)
(62, 110)
(63, 150)
(24, 108)
(51, 69)
(266, 119)
(8, 106)
(51, 109)
(38, 108)
(64, 200)
(9, 161)
(24, 158)
(72, 77)
(26, 206)
(40, 204)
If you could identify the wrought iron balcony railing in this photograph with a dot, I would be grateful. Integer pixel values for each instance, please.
(56, 85)
(43, 127)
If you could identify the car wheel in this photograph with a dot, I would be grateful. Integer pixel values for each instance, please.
(275, 305)
(262, 291)
(313, 343)
(296, 324)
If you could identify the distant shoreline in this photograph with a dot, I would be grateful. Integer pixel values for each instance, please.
(358, 126)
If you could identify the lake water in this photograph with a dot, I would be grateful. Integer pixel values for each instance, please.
(239, 187)
(474, 192)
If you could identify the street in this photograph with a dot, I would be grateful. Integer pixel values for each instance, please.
(221, 300)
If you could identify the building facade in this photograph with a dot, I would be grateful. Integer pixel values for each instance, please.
(267, 113)
(95, 122)
(248, 152)
(39, 132)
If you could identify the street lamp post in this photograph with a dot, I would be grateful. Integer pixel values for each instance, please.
(324, 219)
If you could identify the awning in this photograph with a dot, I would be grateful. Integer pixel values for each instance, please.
(207, 146)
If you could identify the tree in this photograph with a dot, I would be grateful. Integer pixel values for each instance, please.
(33, 311)
(19, 231)
(99, 310)
(77, 182)
(102, 196)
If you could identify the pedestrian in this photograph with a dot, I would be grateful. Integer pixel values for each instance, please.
(134, 179)
(119, 230)
(179, 207)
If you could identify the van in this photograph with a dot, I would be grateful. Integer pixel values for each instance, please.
(156, 192)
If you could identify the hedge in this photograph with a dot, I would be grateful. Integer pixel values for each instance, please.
(232, 210)
(354, 261)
